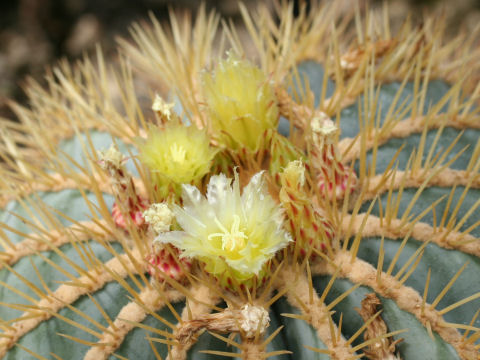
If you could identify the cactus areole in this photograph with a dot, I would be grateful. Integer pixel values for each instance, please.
(318, 200)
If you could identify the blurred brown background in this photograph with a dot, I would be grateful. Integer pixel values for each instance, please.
(35, 33)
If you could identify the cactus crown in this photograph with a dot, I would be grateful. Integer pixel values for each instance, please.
(340, 174)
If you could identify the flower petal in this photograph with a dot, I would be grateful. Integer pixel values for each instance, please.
(176, 238)
(191, 196)
(229, 231)
(218, 189)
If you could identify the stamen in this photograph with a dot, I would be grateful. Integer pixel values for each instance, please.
(178, 153)
(231, 240)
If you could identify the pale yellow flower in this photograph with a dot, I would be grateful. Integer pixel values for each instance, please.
(232, 233)
(177, 154)
(241, 103)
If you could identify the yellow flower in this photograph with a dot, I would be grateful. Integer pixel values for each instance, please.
(232, 233)
(177, 154)
(241, 103)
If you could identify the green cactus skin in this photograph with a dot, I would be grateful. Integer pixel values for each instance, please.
(22, 214)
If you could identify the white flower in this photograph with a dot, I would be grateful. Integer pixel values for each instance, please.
(254, 318)
(228, 231)
(162, 107)
(159, 216)
(111, 157)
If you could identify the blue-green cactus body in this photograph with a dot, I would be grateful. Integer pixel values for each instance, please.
(112, 297)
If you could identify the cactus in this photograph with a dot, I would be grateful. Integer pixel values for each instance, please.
(337, 220)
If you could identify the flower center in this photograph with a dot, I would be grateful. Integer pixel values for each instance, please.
(178, 153)
(233, 240)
